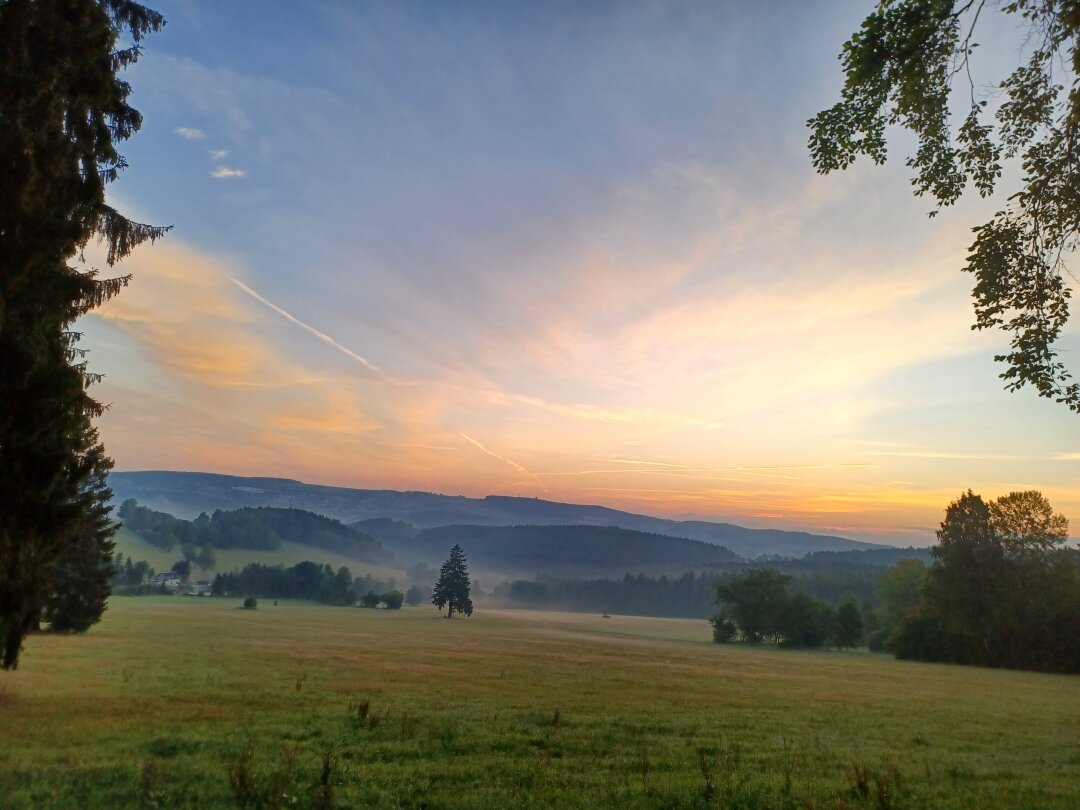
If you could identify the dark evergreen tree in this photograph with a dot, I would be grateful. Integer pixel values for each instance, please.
(452, 589)
(63, 108)
(80, 578)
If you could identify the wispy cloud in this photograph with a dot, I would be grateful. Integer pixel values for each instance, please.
(639, 461)
(190, 133)
(224, 172)
(629, 471)
(585, 316)
(311, 330)
(504, 459)
(961, 456)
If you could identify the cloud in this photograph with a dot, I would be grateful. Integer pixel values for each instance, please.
(517, 467)
(190, 133)
(222, 172)
(640, 461)
(325, 338)
(218, 154)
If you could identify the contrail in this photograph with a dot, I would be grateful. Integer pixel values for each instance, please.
(640, 461)
(325, 338)
(503, 459)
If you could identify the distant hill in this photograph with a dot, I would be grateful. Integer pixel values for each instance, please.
(560, 551)
(186, 494)
(133, 545)
(260, 528)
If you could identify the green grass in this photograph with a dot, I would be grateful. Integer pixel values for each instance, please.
(156, 706)
(233, 559)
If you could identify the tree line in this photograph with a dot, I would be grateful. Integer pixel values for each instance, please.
(832, 577)
(261, 527)
(757, 606)
(560, 550)
(1002, 590)
(310, 581)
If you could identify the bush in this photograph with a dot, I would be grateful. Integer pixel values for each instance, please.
(251, 603)
(724, 631)
(877, 641)
(806, 622)
(393, 599)
(921, 637)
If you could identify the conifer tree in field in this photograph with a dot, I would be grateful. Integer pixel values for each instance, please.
(452, 589)
(63, 108)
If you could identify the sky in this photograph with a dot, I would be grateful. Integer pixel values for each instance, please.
(574, 251)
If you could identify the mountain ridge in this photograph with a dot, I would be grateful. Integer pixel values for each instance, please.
(186, 494)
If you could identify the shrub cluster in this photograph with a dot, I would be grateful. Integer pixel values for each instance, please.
(757, 607)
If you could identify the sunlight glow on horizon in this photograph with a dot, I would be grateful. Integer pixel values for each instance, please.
(469, 254)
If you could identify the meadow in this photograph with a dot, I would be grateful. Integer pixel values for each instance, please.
(188, 702)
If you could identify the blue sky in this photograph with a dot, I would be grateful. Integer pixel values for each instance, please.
(568, 250)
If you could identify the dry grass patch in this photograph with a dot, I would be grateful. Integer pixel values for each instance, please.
(509, 708)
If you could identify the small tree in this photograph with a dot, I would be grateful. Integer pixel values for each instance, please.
(899, 590)
(805, 622)
(724, 631)
(206, 559)
(452, 589)
(848, 628)
(183, 568)
(392, 599)
(755, 601)
(414, 596)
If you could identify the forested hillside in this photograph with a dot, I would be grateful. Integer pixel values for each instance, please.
(826, 576)
(251, 528)
(186, 494)
(567, 551)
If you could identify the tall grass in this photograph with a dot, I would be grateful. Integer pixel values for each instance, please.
(307, 706)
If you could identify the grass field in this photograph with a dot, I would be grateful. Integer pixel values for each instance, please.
(186, 702)
(233, 559)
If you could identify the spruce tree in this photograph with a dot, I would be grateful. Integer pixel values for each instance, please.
(63, 108)
(79, 581)
(452, 589)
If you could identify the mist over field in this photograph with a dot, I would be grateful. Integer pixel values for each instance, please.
(530, 405)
